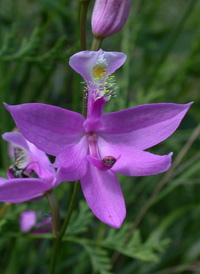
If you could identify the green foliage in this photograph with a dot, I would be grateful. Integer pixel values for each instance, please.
(80, 220)
(29, 48)
(132, 246)
(99, 259)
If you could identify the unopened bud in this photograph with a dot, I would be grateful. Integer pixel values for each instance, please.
(109, 17)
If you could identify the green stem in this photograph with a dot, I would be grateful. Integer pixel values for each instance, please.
(59, 237)
(70, 210)
(96, 43)
(76, 77)
(84, 9)
(4, 209)
(54, 212)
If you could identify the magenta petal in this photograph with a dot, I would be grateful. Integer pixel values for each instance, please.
(21, 190)
(27, 220)
(41, 164)
(104, 196)
(48, 127)
(2, 180)
(143, 126)
(84, 61)
(134, 162)
(72, 163)
(109, 17)
(16, 138)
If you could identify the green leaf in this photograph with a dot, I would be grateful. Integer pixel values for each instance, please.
(133, 247)
(80, 220)
(9, 44)
(29, 46)
(99, 259)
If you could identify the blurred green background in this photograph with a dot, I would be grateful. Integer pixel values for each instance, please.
(162, 42)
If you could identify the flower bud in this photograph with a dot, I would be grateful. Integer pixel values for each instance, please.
(109, 17)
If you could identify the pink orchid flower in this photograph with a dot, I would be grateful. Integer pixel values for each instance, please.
(20, 185)
(108, 17)
(95, 149)
(29, 222)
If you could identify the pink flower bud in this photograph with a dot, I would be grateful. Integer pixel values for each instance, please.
(109, 16)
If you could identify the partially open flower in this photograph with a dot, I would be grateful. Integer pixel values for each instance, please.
(30, 220)
(21, 184)
(109, 17)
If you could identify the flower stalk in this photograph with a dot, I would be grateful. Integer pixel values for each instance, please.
(53, 203)
(84, 9)
(4, 209)
(59, 237)
(96, 43)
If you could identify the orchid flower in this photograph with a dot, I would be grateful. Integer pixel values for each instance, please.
(29, 222)
(20, 185)
(96, 148)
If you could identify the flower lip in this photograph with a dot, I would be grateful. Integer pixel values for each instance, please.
(105, 164)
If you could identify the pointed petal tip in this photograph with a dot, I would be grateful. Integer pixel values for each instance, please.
(188, 105)
(117, 223)
(6, 105)
(169, 158)
(4, 135)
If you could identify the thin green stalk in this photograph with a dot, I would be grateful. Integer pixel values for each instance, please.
(70, 210)
(96, 44)
(84, 9)
(64, 227)
(4, 209)
(54, 212)
(76, 77)
(171, 41)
